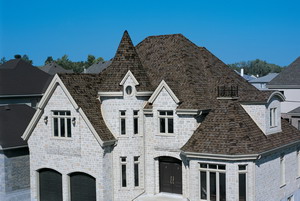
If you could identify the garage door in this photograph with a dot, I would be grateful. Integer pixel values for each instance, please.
(83, 187)
(50, 183)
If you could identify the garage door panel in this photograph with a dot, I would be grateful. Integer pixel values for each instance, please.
(50, 185)
(83, 187)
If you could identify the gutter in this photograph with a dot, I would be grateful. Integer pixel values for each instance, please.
(17, 147)
(25, 95)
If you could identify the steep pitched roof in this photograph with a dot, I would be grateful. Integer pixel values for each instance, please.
(192, 72)
(18, 77)
(289, 76)
(229, 130)
(13, 122)
(83, 88)
(53, 68)
(295, 111)
(98, 67)
(126, 59)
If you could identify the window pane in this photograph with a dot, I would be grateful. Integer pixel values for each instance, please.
(212, 166)
(68, 113)
(202, 165)
(135, 112)
(69, 127)
(242, 167)
(162, 113)
(203, 185)
(135, 125)
(222, 187)
(242, 187)
(123, 159)
(123, 127)
(213, 186)
(221, 167)
(170, 126)
(124, 175)
(62, 127)
(162, 125)
(169, 112)
(136, 174)
(55, 127)
(55, 113)
(122, 113)
(136, 158)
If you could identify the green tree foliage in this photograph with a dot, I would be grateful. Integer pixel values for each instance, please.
(49, 60)
(2, 60)
(26, 58)
(256, 67)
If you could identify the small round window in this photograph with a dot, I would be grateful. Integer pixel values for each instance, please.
(128, 90)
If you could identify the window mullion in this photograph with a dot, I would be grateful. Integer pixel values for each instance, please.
(208, 185)
(218, 186)
(59, 133)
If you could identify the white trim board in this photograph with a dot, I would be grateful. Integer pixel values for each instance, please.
(157, 91)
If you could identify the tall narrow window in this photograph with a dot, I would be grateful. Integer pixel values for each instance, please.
(212, 182)
(123, 122)
(242, 182)
(61, 123)
(135, 122)
(273, 121)
(282, 170)
(166, 124)
(298, 163)
(136, 171)
(123, 172)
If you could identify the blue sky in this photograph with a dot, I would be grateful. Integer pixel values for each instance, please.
(232, 30)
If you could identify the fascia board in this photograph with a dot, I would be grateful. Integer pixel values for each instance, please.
(157, 91)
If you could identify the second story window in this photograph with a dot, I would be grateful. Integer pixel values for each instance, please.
(273, 121)
(61, 123)
(242, 182)
(166, 122)
(282, 170)
(123, 172)
(123, 122)
(135, 122)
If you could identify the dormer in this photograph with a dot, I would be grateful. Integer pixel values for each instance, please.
(267, 115)
(129, 84)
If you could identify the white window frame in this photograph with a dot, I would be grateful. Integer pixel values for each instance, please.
(122, 117)
(136, 116)
(59, 117)
(136, 162)
(273, 117)
(121, 173)
(208, 170)
(246, 173)
(282, 170)
(166, 117)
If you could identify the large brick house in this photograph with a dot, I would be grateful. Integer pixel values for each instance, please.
(165, 118)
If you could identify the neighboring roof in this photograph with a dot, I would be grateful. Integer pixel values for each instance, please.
(264, 79)
(192, 72)
(98, 67)
(84, 89)
(126, 58)
(53, 68)
(245, 76)
(229, 130)
(295, 111)
(13, 122)
(18, 77)
(289, 76)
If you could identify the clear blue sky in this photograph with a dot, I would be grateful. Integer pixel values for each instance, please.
(232, 30)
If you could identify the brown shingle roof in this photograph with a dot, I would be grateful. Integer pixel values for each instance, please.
(229, 130)
(83, 88)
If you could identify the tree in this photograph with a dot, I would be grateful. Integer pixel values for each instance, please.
(26, 58)
(49, 60)
(90, 60)
(3, 60)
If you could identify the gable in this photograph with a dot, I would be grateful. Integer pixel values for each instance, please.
(163, 87)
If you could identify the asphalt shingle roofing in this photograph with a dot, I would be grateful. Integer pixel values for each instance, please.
(193, 74)
(13, 122)
(17, 77)
(264, 79)
(289, 76)
(53, 68)
(98, 67)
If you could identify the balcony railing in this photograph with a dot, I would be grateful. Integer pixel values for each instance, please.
(228, 91)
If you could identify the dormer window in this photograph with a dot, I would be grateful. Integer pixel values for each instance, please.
(128, 90)
(273, 122)
(166, 122)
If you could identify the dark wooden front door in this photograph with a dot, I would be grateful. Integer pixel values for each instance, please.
(170, 175)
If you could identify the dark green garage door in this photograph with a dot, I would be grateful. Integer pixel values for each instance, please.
(50, 183)
(83, 187)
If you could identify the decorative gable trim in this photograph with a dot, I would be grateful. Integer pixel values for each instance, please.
(157, 91)
(278, 94)
(40, 110)
(129, 74)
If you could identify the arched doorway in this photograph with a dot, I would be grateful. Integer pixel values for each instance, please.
(50, 185)
(83, 187)
(170, 175)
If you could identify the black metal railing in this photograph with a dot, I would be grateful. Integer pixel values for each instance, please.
(228, 91)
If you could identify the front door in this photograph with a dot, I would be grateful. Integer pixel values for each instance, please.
(170, 175)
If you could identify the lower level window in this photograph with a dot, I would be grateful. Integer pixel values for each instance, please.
(136, 171)
(242, 182)
(123, 172)
(212, 182)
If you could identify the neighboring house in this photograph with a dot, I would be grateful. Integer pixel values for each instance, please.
(98, 67)
(288, 83)
(261, 82)
(53, 68)
(168, 117)
(245, 76)
(21, 88)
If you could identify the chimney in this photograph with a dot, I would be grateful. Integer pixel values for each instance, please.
(242, 72)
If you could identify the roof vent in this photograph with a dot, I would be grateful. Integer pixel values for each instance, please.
(228, 92)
